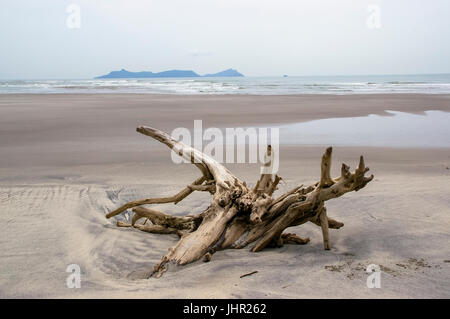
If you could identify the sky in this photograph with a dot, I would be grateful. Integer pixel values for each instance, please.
(77, 39)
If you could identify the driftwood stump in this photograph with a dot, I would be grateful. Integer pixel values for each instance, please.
(239, 215)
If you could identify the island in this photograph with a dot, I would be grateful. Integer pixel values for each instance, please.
(166, 74)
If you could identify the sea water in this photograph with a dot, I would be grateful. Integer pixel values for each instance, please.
(428, 84)
(398, 129)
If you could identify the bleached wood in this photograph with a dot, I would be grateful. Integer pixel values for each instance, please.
(239, 216)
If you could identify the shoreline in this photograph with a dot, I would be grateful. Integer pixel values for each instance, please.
(61, 130)
(305, 105)
(38, 130)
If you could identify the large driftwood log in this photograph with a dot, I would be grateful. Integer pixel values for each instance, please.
(239, 216)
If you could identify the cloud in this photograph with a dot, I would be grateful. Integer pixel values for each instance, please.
(199, 53)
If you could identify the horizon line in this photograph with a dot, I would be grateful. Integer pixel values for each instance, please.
(246, 76)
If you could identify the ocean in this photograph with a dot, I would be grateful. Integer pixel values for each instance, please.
(370, 84)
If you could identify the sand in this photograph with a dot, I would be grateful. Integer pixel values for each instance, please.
(65, 160)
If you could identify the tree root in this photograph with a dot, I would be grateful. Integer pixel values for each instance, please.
(239, 216)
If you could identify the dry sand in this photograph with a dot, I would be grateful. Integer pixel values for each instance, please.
(65, 160)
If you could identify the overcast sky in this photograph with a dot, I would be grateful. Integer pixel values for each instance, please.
(256, 37)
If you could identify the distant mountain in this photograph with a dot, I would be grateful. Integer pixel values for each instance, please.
(147, 74)
(165, 74)
(229, 72)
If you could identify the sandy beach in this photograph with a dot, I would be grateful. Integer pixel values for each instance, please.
(66, 160)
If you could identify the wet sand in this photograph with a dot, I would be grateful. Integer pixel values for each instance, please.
(68, 159)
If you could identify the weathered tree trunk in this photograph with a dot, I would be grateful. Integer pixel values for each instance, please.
(239, 216)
